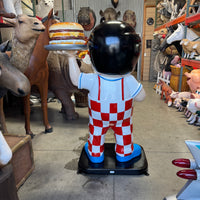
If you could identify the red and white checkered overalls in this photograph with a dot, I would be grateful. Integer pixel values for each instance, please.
(115, 115)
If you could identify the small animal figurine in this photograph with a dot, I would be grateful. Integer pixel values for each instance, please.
(188, 47)
(166, 90)
(196, 47)
(177, 102)
(183, 105)
(180, 95)
(192, 107)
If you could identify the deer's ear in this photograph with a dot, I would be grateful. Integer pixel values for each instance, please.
(56, 13)
(50, 14)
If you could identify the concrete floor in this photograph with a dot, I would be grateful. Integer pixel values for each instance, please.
(161, 130)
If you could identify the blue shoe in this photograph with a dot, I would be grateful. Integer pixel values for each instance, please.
(136, 152)
(92, 158)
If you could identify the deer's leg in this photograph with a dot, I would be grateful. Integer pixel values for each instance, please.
(2, 117)
(27, 111)
(43, 88)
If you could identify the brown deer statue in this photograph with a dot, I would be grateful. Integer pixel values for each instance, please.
(38, 74)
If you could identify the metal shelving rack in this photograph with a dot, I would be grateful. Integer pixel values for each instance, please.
(194, 19)
(173, 22)
(187, 20)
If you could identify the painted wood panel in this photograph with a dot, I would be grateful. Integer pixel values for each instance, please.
(147, 37)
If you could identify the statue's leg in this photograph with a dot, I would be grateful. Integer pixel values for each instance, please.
(124, 140)
(125, 149)
(95, 146)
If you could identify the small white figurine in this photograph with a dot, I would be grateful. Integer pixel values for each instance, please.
(5, 151)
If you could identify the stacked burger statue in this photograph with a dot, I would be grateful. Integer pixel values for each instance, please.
(114, 49)
(66, 33)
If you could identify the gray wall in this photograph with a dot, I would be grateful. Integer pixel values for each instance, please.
(97, 5)
(72, 7)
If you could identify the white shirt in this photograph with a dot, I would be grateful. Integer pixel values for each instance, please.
(111, 88)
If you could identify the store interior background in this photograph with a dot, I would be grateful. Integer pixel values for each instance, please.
(160, 129)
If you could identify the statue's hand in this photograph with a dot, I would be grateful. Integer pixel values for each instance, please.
(69, 53)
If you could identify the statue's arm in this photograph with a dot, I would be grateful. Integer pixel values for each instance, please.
(141, 95)
(74, 71)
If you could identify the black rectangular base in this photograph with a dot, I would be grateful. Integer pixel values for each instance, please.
(111, 166)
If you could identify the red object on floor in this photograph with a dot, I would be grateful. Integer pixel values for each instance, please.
(190, 174)
(181, 162)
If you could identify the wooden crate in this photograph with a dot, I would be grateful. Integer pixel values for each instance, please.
(22, 160)
(81, 98)
(175, 77)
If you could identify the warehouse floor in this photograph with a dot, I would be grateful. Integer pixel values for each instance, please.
(159, 129)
